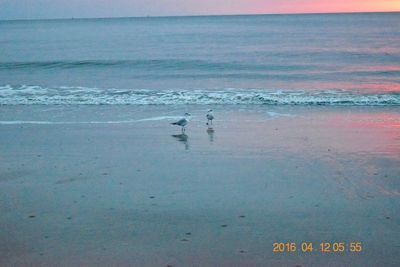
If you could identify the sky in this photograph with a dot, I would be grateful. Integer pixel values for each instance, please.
(45, 9)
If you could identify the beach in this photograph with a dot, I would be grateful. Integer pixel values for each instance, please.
(117, 185)
(299, 168)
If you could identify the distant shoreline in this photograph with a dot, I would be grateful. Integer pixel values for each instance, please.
(199, 16)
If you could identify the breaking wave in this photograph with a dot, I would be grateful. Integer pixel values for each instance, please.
(63, 95)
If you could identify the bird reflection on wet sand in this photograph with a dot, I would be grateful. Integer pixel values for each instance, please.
(210, 132)
(182, 138)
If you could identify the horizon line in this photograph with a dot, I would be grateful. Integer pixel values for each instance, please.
(199, 15)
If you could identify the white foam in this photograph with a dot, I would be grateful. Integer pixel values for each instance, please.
(160, 118)
(26, 122)
(277, 114)
(37, 95)
(65, 122)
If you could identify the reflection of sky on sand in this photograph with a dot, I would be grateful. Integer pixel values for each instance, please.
(356, 130)
(377, 132)
(356, 149)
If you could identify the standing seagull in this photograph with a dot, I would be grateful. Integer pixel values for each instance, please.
(210, 116)
(183, 122)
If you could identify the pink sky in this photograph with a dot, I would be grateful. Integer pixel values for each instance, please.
(10, 9)
(292, 6)
(306, 6)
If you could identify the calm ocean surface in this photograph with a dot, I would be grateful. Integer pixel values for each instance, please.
(324, 59)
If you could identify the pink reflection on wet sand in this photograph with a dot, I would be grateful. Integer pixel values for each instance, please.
(313, 130)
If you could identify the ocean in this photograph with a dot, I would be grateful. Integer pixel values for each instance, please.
(309, 59)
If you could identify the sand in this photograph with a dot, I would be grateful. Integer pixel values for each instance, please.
(120, 186)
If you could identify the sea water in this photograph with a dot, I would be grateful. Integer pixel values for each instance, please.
(309, 59)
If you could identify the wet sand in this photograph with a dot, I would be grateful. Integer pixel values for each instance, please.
(120, 186)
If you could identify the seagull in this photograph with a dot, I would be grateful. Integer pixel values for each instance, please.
(183, 122)
(210, 116)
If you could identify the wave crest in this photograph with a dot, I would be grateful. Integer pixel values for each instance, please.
(63, 95)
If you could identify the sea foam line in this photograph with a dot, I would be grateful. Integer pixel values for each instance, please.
(62, 122)
(63, 95)
(159, 118)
